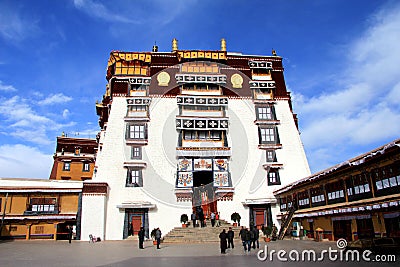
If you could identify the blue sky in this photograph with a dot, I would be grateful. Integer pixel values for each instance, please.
(341, 59)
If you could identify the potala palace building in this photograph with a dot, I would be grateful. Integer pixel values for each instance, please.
(187, 129)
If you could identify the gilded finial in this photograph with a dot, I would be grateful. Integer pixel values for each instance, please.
(155, 47)
(63, 134)
(273, 52)
(223, 44)
(174, 44)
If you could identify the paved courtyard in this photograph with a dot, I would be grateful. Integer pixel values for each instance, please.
(126, 253)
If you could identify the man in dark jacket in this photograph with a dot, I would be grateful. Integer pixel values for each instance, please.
(222, 237)
(141, 237)
(247, 240)
(255, 237)
(230, 235)
(158, 237)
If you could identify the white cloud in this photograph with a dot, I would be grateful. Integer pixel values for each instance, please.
(7, 88)
(55, 99)
(23, 122)
(155, 12)
(20, 161)
(363, 109)
(13, 26)
(65, 113)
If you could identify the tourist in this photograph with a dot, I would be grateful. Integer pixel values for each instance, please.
(193, 217)
(247, 240)
(217, 219)
(222, 237)
(255, 237)
(158, 237)
(141, 237)
(69, 227)
(212, 219)
(230, 236)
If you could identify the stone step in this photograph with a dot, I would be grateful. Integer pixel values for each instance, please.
(192, 234)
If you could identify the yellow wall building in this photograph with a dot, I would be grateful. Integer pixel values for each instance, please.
(39, 209)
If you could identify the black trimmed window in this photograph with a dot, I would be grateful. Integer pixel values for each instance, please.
(134, 178)
(42, 205)
(317, 196)
(136, 131)
(273, 177)
(304, 199)
(67, 166)
(283, 204)
(133, 109)
(136, 152)
(86, 167)
(270, 155)
(335, 192)
(268, 135)
(214, 135)
(265, 112)
(387, 179)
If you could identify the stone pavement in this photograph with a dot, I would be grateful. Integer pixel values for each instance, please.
(126, 253)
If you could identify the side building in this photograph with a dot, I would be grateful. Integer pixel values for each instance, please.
(74, 158)
(39, 209)
(190, 130)
(356, 199)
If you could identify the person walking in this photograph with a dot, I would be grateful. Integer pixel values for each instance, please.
(212, 219)
(255, 237)
(222, 237)
(69, 233)
(247, 235)
(242, 235)
(230, 236)
(158, 237)
(141, 237)
(193, 217)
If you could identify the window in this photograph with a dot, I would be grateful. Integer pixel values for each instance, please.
(361, 184)
(282, 202)
(386, 177)
(202, 135)
(77, 151)
(67, 166)
(267, 135)
(43, 205)
(265, 113)
(190, 135)
(134, 178)
(303, 198)
(136, 152)
(86, 167)
(271, 155)
(317, 195)
(136, 132)
(273, 177)
(335, 191)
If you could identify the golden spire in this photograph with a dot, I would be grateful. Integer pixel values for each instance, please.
(223, 44)
(273, 52)
(174, 45)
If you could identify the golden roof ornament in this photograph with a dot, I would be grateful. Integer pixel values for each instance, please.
(174, 45)
(223, 44)
(273, 52)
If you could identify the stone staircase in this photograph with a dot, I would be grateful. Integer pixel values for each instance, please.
(198, 234)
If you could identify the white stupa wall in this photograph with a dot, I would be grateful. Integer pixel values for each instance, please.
(159, 176)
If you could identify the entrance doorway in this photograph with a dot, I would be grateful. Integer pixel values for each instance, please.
(136, 223)
(134, 219)
(365, 228)
(342, 229)
(204, 193)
